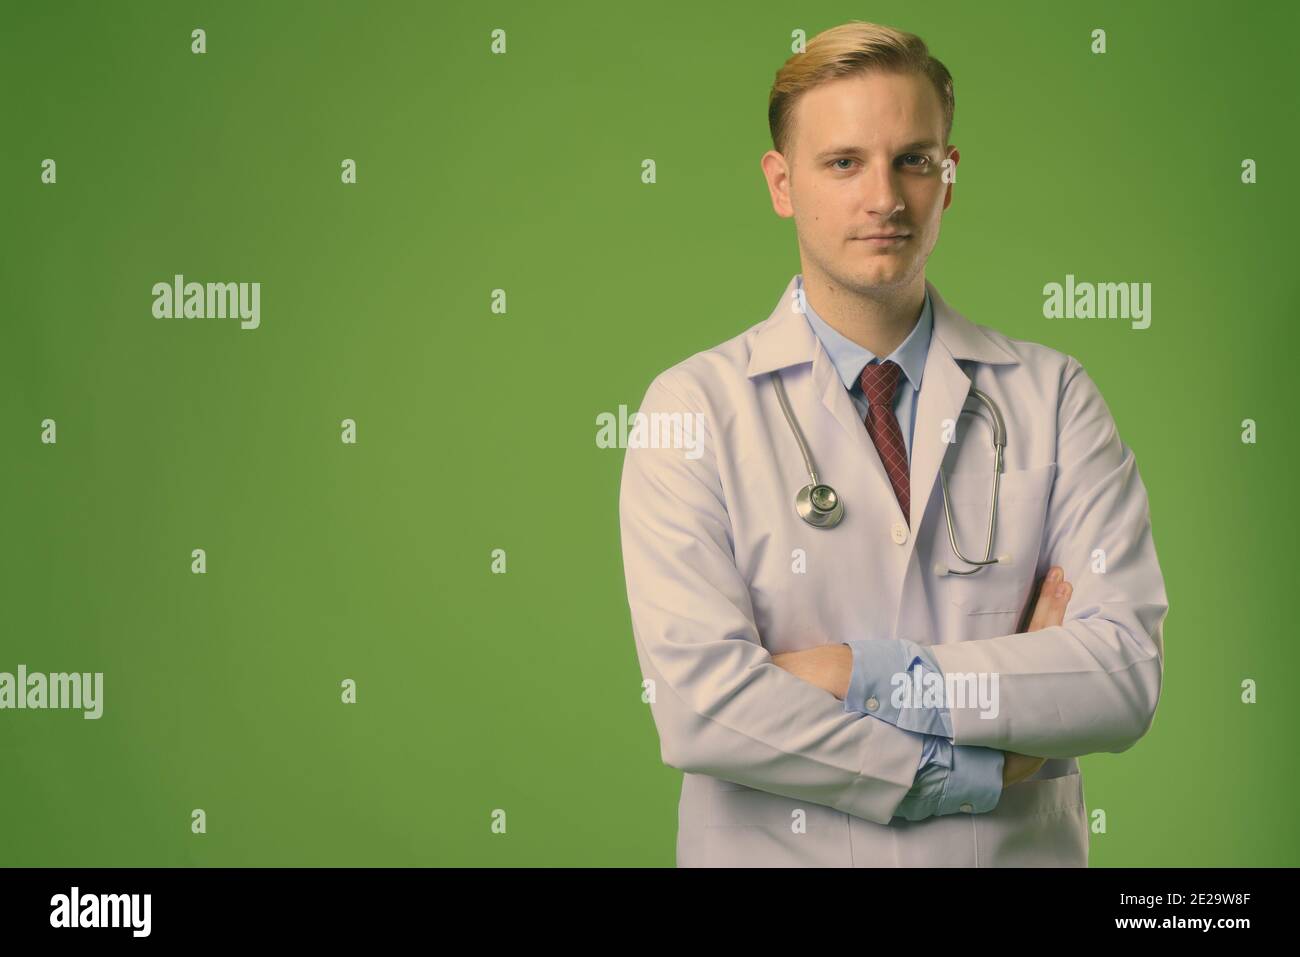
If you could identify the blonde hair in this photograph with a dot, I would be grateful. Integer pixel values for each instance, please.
(852, 49)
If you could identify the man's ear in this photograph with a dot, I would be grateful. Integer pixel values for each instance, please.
(776, 171)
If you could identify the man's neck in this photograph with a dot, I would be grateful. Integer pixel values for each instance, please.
(878, 324)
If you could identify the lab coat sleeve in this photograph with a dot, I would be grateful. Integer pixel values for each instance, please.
(720, 705)
(1091, 683)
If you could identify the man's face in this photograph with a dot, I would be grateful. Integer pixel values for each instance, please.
(865, 159)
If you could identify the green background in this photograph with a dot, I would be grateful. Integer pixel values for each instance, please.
(476, 431)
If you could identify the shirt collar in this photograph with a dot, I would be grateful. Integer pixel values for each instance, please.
(848, 357)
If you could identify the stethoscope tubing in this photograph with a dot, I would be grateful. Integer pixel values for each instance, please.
(805, 501)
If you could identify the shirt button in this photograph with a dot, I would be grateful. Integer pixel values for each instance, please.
(967, 808)
(899, 532)
(872, 703)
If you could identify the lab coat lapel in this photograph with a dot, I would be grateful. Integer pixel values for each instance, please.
(944, 388)
(786, 339)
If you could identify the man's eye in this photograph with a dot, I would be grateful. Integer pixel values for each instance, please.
(920, 161)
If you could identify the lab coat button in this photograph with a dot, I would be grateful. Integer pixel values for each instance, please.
(967, 808)
(872, 703)
(899, 531)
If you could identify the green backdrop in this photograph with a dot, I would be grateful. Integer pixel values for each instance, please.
(476, 430)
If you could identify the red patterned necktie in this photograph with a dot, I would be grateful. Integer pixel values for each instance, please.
(879, 382)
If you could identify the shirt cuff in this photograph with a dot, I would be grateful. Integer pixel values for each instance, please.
(974, 783)
(927, 790)
(895, 680)
(929, 749)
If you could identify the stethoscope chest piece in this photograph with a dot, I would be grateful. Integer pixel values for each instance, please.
(819, 506)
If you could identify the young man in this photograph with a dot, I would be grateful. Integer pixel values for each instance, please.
(835, 686)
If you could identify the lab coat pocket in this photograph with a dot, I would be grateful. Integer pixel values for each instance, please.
(1037, 823)
(749, 827)
(998, 591)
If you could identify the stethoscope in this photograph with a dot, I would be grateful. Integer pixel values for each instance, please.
(821, 506)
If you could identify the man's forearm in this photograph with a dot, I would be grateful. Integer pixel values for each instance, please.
(829, 667)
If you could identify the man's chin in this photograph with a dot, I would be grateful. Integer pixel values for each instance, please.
(894, 276)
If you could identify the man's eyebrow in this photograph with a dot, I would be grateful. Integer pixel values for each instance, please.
(914, 146)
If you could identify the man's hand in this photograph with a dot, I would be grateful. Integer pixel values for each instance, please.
(1054, 595)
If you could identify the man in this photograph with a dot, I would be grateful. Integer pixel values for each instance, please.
(844, 693)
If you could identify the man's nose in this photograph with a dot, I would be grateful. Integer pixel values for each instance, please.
(881, 192)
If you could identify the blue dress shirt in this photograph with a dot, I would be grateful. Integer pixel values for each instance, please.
(950, 777)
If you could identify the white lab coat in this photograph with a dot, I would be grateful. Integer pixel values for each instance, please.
(775, 771)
